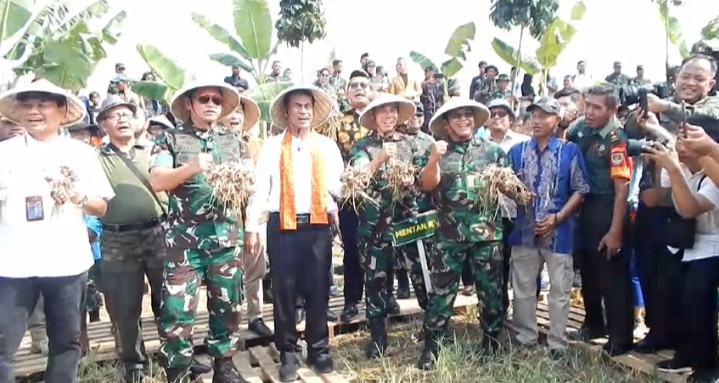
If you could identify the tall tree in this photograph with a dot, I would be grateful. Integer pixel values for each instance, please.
(300, 21)
(57, 41)
(533, 16)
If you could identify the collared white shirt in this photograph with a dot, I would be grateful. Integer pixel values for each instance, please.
(266, 196)
(58, 245)
(582, 82)
(706, 242)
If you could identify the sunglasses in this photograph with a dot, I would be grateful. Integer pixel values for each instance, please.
(418, 114)
(499, 113)
(355, 85)
(205, 98)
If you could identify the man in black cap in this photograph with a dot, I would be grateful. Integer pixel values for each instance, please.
(502, 90)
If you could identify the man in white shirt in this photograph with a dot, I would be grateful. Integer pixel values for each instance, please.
(43, 237)
(582, 81)
(298, 177)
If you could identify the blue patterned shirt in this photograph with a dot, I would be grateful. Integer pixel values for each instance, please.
(552, 175)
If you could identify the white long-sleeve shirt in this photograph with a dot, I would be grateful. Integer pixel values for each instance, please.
(266, 196)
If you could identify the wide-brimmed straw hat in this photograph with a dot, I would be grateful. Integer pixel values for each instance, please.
(9, 109)
(322, 106)
(230, 99)
(406, 110)
(439, 124)
(251, 111)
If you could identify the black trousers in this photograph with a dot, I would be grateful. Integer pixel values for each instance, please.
(698, 343)
(660, 272)
(604, 280)
(300, 259)
(354, 277)
(64, 299)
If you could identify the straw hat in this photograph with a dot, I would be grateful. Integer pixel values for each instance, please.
(230, 99)
(438, 125)
(322, 106)
(251, 110)
(75, 108)
(405, 113)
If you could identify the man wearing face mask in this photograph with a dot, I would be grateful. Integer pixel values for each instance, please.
(201, 238)
(465, 230)
(376, 221)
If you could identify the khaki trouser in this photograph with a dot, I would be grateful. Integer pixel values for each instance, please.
(526, 265)
(254, 268)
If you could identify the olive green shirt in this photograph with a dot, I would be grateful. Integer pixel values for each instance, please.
(605, 154)
(133, 202)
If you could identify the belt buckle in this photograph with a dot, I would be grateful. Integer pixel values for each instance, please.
(303, 219)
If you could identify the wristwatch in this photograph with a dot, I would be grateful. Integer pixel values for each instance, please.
(84, 202)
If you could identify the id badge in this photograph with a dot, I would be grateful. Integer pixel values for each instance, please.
(34, 209)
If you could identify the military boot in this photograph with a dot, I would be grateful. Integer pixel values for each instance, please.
(378, 343)
(430, 352)
(392, 305)
(490, 344)
(178, 375)
(225, 371)
(198, 368)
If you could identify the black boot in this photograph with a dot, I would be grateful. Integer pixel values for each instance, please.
(289, 363)
(378, 343)
(225, 371)
(392, 305)
(267, 291)
(490, 344)
(430, 352)
(349, 312)
(178, 375)
(402, 284)
(198, 368)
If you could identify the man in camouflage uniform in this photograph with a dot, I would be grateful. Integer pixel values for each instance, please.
(376, 220)
(617, 77)
(348, 132)
(202, 239)
(640, 80)
(489, 85)
(502, 91)
(468, 227)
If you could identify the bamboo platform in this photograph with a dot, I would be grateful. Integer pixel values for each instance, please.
(254, 349)
(635, 362)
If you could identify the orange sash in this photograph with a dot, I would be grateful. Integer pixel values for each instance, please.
(318, 210)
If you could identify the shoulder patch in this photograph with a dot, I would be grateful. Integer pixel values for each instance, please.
(617, 159)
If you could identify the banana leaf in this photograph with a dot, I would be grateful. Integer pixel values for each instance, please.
(15, 15)
(112, 31)
(153, 91)
(673, 29)
(711, 30)
(221, 34)
(166, 69)
(253, 24)
(451, 67)
(509, 55)
(264, 94)
(228, 59)
(458, 43)
(421, 59)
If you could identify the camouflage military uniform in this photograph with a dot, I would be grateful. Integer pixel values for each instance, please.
(467, 228)
(503, 94)
(375, 226)
(617, 79)
(202, 244)
(640, 81)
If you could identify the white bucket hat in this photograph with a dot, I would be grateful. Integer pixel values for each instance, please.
(9, 109)
(230, 99)
(322, 106)
(407, 109)
(439, 124)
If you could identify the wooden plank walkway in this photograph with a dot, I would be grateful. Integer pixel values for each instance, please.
(102, 342)
(633, 361)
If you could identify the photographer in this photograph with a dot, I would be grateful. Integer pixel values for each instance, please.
(697, 201)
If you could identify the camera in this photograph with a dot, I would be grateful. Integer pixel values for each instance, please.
(632, 94)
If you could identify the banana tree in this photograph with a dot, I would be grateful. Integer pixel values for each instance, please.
(457, 48)
(552, 42)
(533, 16)
(251, 43)
(56, 41)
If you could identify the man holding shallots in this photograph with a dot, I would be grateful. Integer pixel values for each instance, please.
(387, 154)
(554, 171)
(48, 184)
(470, 225)
(203, 230)
(297, 183)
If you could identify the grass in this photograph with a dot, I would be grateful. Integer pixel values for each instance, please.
(458, 361)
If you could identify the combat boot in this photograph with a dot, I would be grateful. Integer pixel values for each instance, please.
(490, 344)
(430, 352)
(178, 375)
(225, 371)
(378, 344)
(198, 368)
(392, 305)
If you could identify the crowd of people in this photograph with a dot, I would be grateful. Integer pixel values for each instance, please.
(117, 192)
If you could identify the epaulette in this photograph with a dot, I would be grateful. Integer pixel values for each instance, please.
(613, 136)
